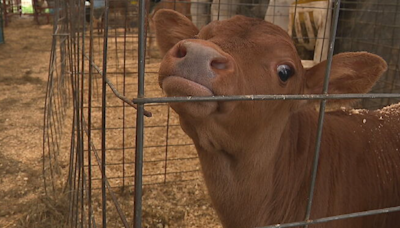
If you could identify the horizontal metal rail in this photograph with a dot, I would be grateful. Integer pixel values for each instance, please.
(152, 183)
(152, 100)
(150, 175)
(152, 146)
(149, 161)
(133, 127)
(335, 218)
(120, 106)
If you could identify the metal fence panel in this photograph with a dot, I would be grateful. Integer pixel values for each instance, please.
(103, 84)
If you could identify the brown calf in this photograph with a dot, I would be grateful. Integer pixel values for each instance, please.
(256, 156)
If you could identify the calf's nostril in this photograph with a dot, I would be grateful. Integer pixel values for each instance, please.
(181, 51)
(219, 64)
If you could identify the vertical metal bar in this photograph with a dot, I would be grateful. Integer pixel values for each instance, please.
(322, 110)
(139, 167)
(82, 133)
(140, 117)
(76, 75)
(219, 10)
(103, 117)
(48, 99)
(328, 8)
(75, 88)
(166, 146)
(116, 52)
(89, 113)
(72, 149)
(76, 183)
(123, 103)
(293, 22)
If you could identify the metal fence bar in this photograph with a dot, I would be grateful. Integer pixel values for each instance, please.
(160, 100)
(89, 120)
(154, 146)
(103, 117)
(82, 9)
(335, 218)
(113, 197)
(140, 117)
(139, 167)
(153, 183)
(48, 106)
(322, 111)
(151, 175)
(124, 94)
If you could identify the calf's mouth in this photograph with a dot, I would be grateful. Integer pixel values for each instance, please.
(177, 86)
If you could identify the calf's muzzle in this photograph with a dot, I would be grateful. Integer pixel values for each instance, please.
(197, 61)
(194, 68)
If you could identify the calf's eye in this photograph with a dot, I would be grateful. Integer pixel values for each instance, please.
(284, 72)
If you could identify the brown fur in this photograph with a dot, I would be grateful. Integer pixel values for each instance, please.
(256, 156)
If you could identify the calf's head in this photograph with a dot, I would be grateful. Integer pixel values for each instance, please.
(244, 56)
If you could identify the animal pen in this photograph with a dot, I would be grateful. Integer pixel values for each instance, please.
(119, 167)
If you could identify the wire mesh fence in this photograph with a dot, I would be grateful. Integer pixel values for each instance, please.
(373, 26)
(118, 167)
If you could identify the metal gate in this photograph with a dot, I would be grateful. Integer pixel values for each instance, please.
(118, 167)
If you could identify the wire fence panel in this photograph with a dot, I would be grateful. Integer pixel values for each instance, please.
(373, 26)
(113, 147)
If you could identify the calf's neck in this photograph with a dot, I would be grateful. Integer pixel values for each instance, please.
(256, 156)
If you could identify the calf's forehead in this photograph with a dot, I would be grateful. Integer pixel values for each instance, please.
(243, 27)
(250, 34)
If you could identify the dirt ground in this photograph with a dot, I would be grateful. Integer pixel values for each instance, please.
(23, 74)
(24, 60)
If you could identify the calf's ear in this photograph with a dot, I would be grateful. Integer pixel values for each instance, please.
(172, 27)
(352, 72)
